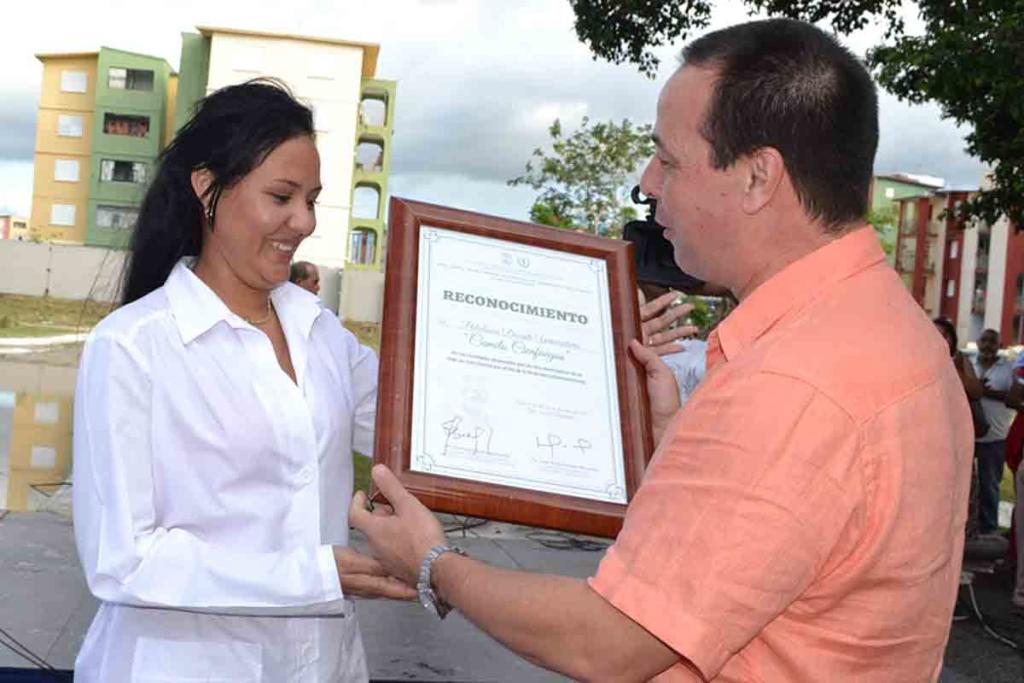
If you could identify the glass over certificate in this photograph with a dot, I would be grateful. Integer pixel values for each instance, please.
(506, 388)
(515, 368)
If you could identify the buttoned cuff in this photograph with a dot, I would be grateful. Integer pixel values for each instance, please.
(329, 573)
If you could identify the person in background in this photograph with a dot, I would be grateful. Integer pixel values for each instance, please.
(1014, 453)
(996, 377)
(215, 416)
(305, 275)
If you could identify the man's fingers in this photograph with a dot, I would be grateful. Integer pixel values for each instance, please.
(645, 355)
(660, 325)
(358, 516)
(656, 306)
(389, 485)
(668, 336)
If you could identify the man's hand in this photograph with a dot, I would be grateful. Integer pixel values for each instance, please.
(662, 390)
(399, 539)
(364, 577)
(656, 316)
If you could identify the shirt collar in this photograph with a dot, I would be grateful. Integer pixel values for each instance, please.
(196, 308)
(792, 288)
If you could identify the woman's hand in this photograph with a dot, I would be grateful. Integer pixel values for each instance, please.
(364, 577)
(656, 316)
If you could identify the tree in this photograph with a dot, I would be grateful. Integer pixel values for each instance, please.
(968, 60)
(884, 223)
(585, 178)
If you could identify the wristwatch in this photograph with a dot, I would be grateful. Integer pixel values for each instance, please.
(427, 596)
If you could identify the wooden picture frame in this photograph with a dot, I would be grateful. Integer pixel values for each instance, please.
(395, 422)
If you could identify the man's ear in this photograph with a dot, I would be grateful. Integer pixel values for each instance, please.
(202, 179)
(764, 171)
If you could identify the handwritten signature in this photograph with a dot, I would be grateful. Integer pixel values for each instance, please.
(474, 439)
(554, 443)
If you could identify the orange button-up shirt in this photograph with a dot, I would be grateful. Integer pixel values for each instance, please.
(803, 516)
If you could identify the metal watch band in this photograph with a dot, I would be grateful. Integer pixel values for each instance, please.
(424, 589)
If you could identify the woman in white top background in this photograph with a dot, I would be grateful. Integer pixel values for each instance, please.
(215, 417)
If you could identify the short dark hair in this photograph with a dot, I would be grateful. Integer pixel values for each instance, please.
(787, 84)
(299, 271)
(949, 329)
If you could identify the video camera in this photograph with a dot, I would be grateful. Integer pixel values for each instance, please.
(652, 254)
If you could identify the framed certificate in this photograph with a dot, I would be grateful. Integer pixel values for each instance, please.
(507, 390)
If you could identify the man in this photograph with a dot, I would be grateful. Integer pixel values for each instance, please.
(802, 518)
(305, 275)
(996, 376)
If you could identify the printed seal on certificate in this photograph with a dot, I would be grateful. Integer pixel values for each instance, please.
(507, 390)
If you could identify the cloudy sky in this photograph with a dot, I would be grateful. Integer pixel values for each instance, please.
(479, 82)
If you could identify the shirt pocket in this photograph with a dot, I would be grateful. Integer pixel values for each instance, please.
(158, 660)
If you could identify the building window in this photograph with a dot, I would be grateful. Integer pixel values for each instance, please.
(66, 170)
(890, 193)
(73, 81)
(373, 112)
(114, 171)
(70, 125)
(369, 156)
(62, 214)
(362, 246)
(19, 225)
(954, 249)
(126, 124)
(116, 217)
(366, 202)
(950, 288)
(129, 79)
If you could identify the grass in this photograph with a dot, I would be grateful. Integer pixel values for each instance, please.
(34, 316)
(1006, 491)
(366, 333)
(362, 465)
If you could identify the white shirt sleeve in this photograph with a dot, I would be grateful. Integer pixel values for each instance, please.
(127, 556)
(364, 365)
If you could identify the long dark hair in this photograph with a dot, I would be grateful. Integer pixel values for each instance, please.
(231, 133)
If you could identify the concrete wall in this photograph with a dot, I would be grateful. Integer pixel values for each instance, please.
(61, 271)
(362, 295)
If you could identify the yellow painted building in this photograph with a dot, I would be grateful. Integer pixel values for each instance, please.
(40, 449)
(60, 193)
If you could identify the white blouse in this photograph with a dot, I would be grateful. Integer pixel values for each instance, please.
(209, 489)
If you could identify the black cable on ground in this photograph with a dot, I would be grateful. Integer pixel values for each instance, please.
(464, 524)
(23, 651)
(559, 540)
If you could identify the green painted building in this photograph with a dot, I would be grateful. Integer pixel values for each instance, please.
(134, 97)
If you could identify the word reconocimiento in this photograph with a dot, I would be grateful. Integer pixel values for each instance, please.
(515, 307)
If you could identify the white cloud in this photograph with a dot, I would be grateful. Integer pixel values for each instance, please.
(479, 82)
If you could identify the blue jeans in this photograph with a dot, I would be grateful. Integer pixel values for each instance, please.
(991, 457)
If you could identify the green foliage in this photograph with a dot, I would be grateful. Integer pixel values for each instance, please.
(584, 179)
(700, 316)
(968, 59)
(884, 222)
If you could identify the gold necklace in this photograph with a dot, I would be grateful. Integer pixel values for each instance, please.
(257, 323)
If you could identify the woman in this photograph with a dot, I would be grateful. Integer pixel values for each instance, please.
(215, 416)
